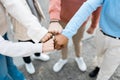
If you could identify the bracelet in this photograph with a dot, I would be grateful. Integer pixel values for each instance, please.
(54, 21)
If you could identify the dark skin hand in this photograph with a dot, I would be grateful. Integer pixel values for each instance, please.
(60, 41)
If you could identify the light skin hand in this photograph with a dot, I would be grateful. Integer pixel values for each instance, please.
(55, 28)
(60, 41)
(46, 37)
(48, 46)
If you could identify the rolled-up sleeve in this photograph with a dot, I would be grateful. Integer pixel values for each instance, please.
(17, 10)
(54, 9)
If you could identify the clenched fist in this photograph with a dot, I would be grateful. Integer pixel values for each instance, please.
(60, 41)
(48, 46)
(55, 28)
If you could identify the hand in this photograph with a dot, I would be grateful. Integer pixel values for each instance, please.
(60, 41)
(46, 37)
(90, 30)
(48, 46)
(55, 28)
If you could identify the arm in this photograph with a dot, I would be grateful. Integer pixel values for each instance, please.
(54, 12)
(94, 20)
(17, 10)
(95, 17)
(23, 48)
(18, 49)
(54, 9)
(81, 15)
(77, 20)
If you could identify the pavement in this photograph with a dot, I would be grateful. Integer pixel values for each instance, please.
(44, 70)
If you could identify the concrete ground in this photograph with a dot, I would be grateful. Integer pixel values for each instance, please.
(44, 70)
(70, 71)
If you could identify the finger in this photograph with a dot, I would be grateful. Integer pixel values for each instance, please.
(55, 42)
(57, 46)
(45, 39)
(49, 34)
(52, 31)
(42, 41)
(60, 47)
(57, 31)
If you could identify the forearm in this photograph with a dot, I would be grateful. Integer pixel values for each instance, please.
(95, 17)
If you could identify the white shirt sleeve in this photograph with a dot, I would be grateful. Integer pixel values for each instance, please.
(17, 10)
(19, 48)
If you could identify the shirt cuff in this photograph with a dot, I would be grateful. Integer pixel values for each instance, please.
(37, 47)
(37, 35)
(66, 34)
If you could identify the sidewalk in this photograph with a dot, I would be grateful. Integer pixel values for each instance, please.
(70, 71)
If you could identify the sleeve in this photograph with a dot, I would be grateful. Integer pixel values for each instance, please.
(54, 9)
(18, 49)
(17, 10)
(80, 16)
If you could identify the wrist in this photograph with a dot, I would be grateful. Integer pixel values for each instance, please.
(37, 47)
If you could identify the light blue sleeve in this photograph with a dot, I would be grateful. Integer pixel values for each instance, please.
(81, 15)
